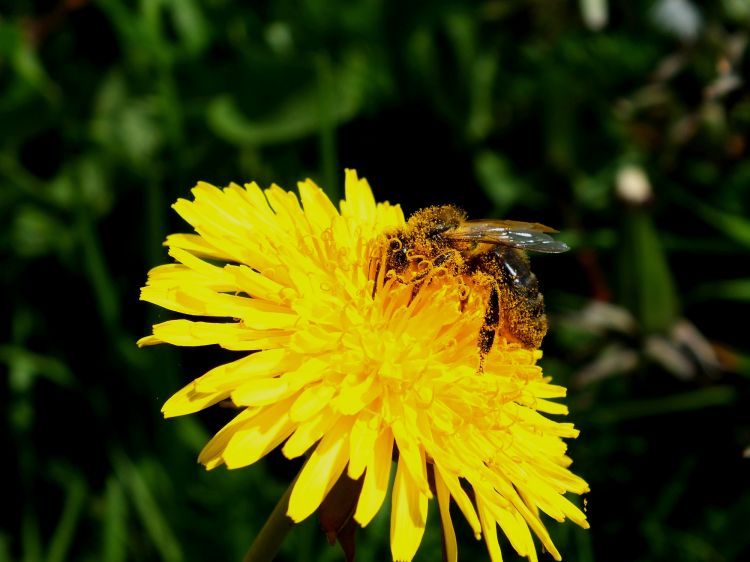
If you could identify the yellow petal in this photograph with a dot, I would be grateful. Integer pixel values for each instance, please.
(218, 383)
(320, 472)
(261, 392)
(360, 202)
(514, 527)
(258, 285)
(308, 433)
(408, 516)
(210, 456)
(221, 279)
(197, 246)
(449, 534)
(256, 365)
(269, 427)
(148, 340)
(362, 441)
(188, 401)
(377, 475)
(201, 301)
(318, 207)
(190, 333)
(489, 528)
(462, 499)
(516, 521)
(312, 401)
(412, 455)
(354, 395)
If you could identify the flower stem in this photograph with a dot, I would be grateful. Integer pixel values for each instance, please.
(269, 539)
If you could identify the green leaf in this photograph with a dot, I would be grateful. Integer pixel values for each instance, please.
(711, 397)
(298, 115)
(62, 538)
(146, 505)
(733, 290)
(499, 182)
(481, 119)
(25, 366)
(124, 125)
(190, 24)
(36, 233)
(647, 287)
(733, 225)
(115, 540)
(5, 542)
(23, 56)
(31, 542)
(593, 191)
(738, 10)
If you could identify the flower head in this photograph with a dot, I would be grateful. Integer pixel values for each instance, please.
(348, 364)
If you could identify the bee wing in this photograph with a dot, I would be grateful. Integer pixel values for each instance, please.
(525, 235)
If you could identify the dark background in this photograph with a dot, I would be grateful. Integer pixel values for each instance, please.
(544, 110)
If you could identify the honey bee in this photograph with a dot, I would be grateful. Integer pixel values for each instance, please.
(488, 254)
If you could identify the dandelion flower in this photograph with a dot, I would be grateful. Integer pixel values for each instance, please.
(353, 368)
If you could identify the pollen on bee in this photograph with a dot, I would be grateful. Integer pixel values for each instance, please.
(438, 244)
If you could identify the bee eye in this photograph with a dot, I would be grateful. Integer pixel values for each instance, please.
(438, 229)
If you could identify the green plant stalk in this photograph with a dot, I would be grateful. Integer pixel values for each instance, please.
(269, 539)
(327, 127)
(62, 539)
(648, 288)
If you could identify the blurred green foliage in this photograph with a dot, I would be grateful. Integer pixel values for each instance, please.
(623, 124)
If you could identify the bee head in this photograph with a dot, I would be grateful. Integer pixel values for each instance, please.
(431, 222)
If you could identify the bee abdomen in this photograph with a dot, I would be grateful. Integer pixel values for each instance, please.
(522, 317)
(525, 321)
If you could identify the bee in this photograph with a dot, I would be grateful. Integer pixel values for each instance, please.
(488, 254)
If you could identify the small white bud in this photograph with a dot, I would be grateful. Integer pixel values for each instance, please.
(633, 185)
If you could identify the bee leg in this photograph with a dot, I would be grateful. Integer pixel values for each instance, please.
(464, 298)
(414, 291)
(441, 259)
(420, 278)
(491, 322)
(375, 278)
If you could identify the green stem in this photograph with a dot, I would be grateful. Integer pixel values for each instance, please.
(327, 127)
(269, 539)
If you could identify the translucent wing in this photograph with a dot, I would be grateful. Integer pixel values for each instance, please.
(526, 235)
